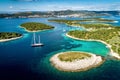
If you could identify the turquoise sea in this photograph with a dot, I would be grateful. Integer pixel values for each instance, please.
(20, 61)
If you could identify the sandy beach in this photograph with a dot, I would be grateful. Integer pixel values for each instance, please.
(112, 53)
(77, 65)
(4, 40)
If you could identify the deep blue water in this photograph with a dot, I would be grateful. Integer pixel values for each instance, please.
(20, 61)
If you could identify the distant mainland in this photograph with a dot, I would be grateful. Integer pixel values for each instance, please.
(62, 13)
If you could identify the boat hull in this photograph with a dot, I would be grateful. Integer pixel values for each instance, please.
(37, 45)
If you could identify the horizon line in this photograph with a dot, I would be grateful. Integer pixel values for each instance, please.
(52, 10)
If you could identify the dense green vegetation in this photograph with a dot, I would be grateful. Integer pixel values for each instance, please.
(93, 26)
(35, 26)
(111, 36)
(67, 21)
(100, 19)
(9, 35)
(72, 56)
(87, 26)
(99, 34)
(82, 20)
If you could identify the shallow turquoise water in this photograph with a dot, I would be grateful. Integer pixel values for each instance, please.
(19, 60)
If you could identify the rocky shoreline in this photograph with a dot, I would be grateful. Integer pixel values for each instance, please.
(77, 65)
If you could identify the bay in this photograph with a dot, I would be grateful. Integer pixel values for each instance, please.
(20, 61)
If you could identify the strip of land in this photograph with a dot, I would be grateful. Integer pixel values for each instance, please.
(8, 36)
(5, 40)
(82, 20)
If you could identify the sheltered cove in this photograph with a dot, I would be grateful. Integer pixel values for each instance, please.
(93, 61)
(93, 32)
(112, 53)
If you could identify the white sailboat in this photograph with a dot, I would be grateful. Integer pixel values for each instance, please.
(35, 44)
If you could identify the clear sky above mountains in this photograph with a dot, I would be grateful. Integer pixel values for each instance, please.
(51, 5)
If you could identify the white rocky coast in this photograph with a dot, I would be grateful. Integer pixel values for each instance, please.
(76, 65)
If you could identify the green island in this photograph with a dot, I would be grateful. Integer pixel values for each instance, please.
(98, 31)
(99, 19)
(94, 26)
(82, 20)
(6, 36)
(35, 26)
(74, 61)
(72, 56)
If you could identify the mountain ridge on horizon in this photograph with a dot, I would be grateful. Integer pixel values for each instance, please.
(59, 10)
(71, 13)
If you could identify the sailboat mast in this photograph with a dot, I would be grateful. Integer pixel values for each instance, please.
(34, 38)
(39, 39)
(36, 43)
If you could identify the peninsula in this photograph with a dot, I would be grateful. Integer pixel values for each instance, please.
(74, 61)
(35, 26)
(110, 37)
(7, 36)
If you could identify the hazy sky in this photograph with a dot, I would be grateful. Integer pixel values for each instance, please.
(51, 5)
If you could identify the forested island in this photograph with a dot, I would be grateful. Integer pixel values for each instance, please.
(7, 36)
(82, 20)
(78, 23)
(35, 26)
(91, 26)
